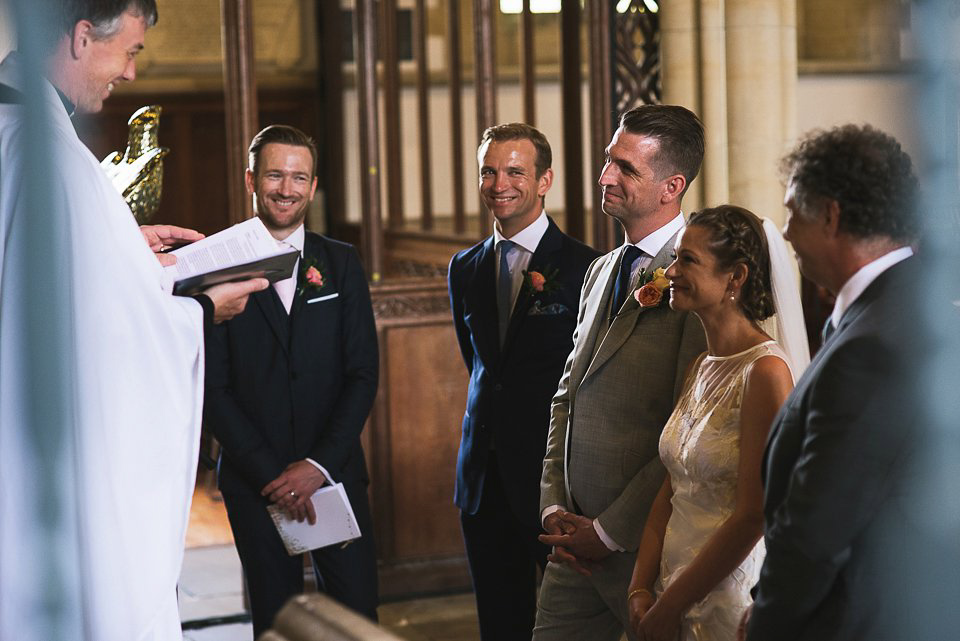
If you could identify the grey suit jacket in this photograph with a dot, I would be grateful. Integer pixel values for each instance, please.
(618, 388)
(837, 477)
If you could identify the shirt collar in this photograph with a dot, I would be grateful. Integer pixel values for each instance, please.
(857, 283)
(295, 239)
(651, 244)
(529, 237)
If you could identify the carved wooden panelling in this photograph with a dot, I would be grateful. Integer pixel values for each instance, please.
(415, 433)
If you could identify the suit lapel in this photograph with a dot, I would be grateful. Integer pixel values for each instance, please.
(594, 316)
(481, 301)
(874, 291)
(624, 322)
(312, 249)
(275, 315)
(283, 324)
(543, 257)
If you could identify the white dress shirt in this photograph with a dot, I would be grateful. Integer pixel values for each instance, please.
(651, 244)
(287, 287)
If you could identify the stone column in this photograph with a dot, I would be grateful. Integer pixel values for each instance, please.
(734, 62)
(680, 67)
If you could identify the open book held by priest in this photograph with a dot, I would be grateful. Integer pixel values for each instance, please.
(245, 250)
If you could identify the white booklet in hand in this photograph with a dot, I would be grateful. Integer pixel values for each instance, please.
(335, 522)
(245, 250)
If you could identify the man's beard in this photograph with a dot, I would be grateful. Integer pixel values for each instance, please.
(265, 212)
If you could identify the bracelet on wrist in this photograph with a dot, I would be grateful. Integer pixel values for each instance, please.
(634, 593)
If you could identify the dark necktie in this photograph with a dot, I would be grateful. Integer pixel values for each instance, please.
(504, 288)
(622, 287)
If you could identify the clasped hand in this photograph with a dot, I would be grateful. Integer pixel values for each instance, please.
(653, 620)
(291, 491)
(575, 541)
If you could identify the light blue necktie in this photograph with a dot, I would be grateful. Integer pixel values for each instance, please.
(504, 288)
(828, 330)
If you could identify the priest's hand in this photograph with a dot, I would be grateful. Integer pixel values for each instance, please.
(294, 487)
(160, 238)
(229, 299)
(583, 543)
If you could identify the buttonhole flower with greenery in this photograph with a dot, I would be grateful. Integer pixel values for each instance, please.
(312, 277)
(649, 292)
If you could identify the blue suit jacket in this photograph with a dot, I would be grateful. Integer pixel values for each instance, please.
(511, 387)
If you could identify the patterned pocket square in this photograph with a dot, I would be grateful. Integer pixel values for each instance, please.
(553, 309)
(319, 299)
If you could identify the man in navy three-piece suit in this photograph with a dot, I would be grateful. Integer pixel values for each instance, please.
(289, 384)
(514, 299)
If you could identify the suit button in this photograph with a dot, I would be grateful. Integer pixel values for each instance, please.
(498, 387)
(293, 376)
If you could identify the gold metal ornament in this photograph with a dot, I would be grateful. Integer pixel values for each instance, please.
(138, 172)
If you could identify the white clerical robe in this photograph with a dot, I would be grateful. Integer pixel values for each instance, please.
(136, 369)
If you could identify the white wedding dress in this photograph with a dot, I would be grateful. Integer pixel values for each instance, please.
(700, 447)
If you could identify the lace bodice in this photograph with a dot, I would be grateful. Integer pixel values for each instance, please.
(700, 447)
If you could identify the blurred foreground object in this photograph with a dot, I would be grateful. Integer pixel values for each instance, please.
(138, 172)
(317, 617)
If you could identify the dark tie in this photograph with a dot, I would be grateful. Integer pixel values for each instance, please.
(504, 288)
(622, 287)
(828, 330)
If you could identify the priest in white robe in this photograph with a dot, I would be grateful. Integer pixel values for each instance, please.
(92, 526)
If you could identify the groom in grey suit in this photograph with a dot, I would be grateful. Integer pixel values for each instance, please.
(839, 455)
(602, 468)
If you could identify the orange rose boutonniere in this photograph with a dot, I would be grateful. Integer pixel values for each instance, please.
(544, 282)
(652, 286)
(312, 278)
(537, 281)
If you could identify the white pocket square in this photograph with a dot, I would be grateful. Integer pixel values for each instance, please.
(323, 298)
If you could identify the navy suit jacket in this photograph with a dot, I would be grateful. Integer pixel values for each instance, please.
(511, 387)
(836, 476)
(283, 388)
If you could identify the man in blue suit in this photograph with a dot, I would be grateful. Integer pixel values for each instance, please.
(289, 384)
(514, 299)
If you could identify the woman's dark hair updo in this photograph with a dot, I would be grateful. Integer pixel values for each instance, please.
(737, 236)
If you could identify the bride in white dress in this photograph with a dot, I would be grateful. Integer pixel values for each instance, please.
(701, 552)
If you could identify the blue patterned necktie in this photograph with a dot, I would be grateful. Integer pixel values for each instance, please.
(504, 288)
(622, 287)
